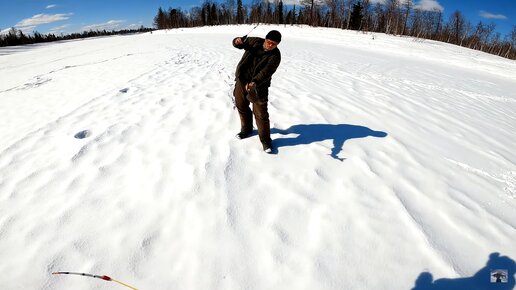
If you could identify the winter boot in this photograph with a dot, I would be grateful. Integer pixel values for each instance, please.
(243, 135)
(267, 148)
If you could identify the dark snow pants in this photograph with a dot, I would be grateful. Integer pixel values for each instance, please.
(260, 112)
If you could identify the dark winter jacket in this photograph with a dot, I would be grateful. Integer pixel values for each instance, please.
(257, 65)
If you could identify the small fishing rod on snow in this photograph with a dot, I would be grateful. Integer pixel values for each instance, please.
(103, 277)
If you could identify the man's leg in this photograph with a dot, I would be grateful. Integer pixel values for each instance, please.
(242, 104)
(261, 116)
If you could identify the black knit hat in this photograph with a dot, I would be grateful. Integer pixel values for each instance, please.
(274, 35)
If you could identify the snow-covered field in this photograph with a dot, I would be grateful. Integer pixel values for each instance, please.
(395, 164)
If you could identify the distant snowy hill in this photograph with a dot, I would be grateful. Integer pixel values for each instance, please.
(394, 168)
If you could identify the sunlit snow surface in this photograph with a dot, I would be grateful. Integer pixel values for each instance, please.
(394, 164)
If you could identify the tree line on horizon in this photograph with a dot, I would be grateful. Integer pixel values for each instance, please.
(395, 17)
(16, 37)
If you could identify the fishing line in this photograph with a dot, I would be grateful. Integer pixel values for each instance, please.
(245, 36)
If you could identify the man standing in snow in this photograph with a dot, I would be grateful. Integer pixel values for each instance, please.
(253, 79)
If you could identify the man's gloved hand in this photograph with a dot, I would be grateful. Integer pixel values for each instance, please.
(250, 86)
(252, 94)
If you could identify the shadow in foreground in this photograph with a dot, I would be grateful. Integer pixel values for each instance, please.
(497, 274)
(310, 133)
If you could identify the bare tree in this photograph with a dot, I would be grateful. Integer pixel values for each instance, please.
(422, 24)
(511, 41)
(347, 8)
(438, 23)
(392, 16)
(332, 6)
(408, 6)
(229, 12)
(416, 23)
(457, 26)
(367, 18)
(490, 28)
(309, 3)
(379, 18)
(196, 17)
(482, 33)
(257, 11)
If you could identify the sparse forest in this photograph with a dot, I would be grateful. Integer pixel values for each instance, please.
(395, 17)
(17, 37)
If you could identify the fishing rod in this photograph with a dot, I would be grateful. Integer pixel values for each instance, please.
(103, 277)
(245, 36)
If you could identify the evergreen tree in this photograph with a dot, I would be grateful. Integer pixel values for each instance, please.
(268, 16)
(288, 20)
(457, 26)
(294, 17)
(214, 17)
(160, 20)
(356, 16)
(299, 18)
(280, 12)
(174, 18)
(204, 16)
(240, 12)
(38, 37)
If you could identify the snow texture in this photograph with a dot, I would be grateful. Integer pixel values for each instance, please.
(394, 164)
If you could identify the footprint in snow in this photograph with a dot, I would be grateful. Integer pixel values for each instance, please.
(83, 134)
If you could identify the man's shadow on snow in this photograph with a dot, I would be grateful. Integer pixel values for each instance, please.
(311, 133)
(487, 278)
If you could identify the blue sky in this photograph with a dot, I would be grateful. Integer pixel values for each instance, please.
(67, 16)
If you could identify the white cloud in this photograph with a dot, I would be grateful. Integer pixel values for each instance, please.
(110, 25)
(488, 15)
(25, 30)
(291, 2)
(401, 2)
(58, 29)
(300, 2)
(134, 26)
(42, 19)
(429, 5)
(423, 4)
(51, 6)
(405, 2)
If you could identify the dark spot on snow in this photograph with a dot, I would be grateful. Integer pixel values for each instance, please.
(83, 134)
(124, 90)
